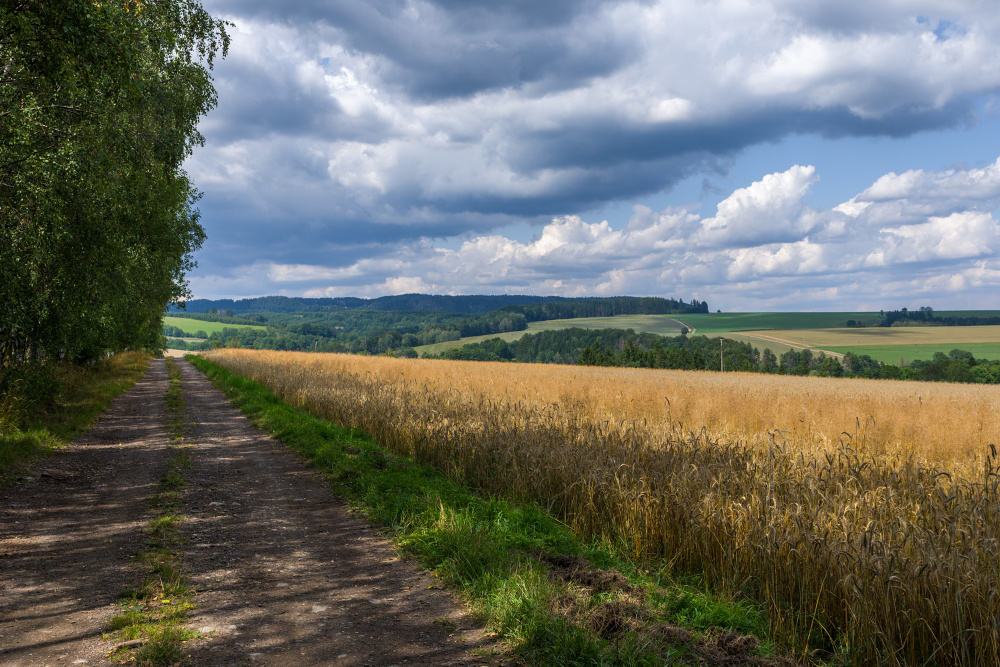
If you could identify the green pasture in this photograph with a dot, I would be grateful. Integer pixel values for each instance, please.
(191, 326)
(782, 332)
(889, 344)
(710, 324)
(658, 324)
(892, 354)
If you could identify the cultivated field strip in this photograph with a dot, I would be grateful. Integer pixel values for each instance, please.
(854, 543)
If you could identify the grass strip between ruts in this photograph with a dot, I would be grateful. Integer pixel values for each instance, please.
(49, 405)
(149, 629)
(493, 550)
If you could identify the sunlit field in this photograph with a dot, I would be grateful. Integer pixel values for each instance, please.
(663, 325)
(889, 344)
(861, 514)
(945, 423)
(192, 325)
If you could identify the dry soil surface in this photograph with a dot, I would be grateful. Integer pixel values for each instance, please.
(284, 574)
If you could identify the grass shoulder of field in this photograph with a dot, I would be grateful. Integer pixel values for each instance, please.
(52, 405)
(191, 325)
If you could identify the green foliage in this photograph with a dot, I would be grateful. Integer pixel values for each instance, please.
(43, 407)
(100, 104)
(925, 316)
(428, 303)
(625, 347)
(494, 349)
(371, 329)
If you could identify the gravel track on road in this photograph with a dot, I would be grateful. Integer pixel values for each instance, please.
(67, 535)
(284, 574)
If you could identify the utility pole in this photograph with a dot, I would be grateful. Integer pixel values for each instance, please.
(722, 361)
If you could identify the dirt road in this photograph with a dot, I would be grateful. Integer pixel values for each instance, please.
(285, 576)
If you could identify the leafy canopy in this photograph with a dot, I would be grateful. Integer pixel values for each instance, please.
(99, 106)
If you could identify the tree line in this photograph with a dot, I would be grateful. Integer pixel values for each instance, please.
(925, 317)
(467, 304)
(626, 348)
(371, 331)
(99, 104)
(435, 303)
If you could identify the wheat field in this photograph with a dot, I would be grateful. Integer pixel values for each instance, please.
(863, 515)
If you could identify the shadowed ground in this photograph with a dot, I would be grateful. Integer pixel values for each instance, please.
(285, 576)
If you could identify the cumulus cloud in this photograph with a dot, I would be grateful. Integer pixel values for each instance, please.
(821, 259)
(769, 211)
(433, 117)
(353, 136)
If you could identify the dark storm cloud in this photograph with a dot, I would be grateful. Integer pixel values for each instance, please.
(609, 143)
(367, 123)
(457, 48)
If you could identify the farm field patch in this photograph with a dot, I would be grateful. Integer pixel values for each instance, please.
(724, 474)
(813, 413)
(897, 354)
(729, 325)
(191, 326)
(967, 313)
(718, 323)
(663, 325)
(890, 344)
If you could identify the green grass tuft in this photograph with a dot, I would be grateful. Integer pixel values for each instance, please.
(159, 604)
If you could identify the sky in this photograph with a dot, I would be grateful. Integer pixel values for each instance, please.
(760, 155)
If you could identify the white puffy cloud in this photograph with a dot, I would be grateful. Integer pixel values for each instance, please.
(950, 186)
(337, 119)
(768, 211)
(959, 236)
(353, 135)
(834, 260)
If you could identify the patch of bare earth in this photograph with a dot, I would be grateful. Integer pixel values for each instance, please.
(283, 574)
(624, 610)
(68, 534)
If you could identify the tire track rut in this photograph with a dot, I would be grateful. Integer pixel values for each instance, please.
(284, 574)
(67, 534)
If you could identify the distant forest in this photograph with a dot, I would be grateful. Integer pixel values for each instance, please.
(373, 331)
(433, 303)
(626, 348)
(925, 317)
(475, 304)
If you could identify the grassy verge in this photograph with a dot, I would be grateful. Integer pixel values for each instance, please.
(47, 406)
(551, 597)
(149, 629)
